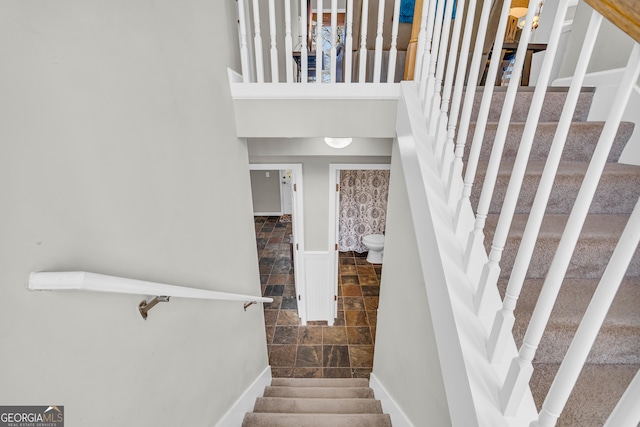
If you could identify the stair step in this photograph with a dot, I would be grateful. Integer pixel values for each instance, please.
(580, 144)
(316, 420)
(316, 406)
(617, 192)
(619, 338)
(597, 391)
(599, 236)
(551, 110)
(319, 392)
(320, 382)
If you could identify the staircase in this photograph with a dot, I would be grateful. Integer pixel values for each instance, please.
(322, 402)
(615, 356)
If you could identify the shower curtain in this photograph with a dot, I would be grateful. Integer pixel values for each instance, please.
(363, 207)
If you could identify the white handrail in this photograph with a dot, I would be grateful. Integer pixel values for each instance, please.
(85, 281)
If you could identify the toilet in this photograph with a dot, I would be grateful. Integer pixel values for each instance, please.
(375, 244)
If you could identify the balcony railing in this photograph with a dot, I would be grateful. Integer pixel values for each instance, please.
(434, 123)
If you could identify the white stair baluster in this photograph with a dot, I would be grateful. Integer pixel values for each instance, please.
(275, 78)
(454, 187)
(377, 61)
(440, 124)
(244, 50)
(304, 45)
(423, 52)
(481, 121)
(440, 66)
(431, 70)
(334, 39)
(521, 367)
(627, 411)
(362, 67)
(257, 42)
(503, 323)
(348, 46)
(476, 236)
(288, 41)
(449, 121)
(491, 270)
(319, 43)
(591, 323)
(393, 50)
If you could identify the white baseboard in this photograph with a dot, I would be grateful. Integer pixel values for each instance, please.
(235, 414)
(267, 213)
(389, 406)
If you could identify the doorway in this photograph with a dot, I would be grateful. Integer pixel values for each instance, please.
(334, 215)
(290, 198)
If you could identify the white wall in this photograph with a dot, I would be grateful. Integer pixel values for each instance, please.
(118, 151)
(406, 361)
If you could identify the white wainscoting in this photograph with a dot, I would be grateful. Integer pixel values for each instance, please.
(319, 288)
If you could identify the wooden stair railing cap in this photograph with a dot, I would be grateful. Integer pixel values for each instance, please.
(625, 14)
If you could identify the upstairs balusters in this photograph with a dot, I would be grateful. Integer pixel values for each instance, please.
(274, 47)
(393, 50)
(288, 41)
(319, 53)
(257, 42)
(348, 44)
(304, 37)
(334, 39)
(377, 61)
(363, 42)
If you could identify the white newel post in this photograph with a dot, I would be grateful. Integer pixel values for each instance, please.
(491, 270)
(521, 367)
(503, 323)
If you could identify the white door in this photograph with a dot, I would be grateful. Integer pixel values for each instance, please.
(285, 191)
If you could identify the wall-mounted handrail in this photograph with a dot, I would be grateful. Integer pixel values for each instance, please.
(85, 281)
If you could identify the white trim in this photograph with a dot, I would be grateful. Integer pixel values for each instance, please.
(334, 179)
(245, 403)
(389, 405)
(267, 213)
(337, 91)
(298, 233)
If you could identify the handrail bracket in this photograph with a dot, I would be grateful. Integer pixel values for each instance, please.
(145, 306)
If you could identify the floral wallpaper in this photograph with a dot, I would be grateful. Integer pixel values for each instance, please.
(363, 207)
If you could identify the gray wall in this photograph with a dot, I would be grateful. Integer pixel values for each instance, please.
(406, 361)
(265, 191)
(118, 151)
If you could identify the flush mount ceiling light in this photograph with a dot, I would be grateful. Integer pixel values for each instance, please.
(337, 142)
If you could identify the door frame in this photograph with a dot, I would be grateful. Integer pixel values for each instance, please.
(334, 207)
(297, 229)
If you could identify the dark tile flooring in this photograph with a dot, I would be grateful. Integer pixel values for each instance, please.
(344, 350)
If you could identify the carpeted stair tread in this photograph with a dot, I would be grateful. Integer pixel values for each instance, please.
(319, 392)
(315, 406)
(619, 339)
(597, 391)
(551, 110)
(617, 192)
(580, 144)
(320, 382)
(316, 420)
(598, 238)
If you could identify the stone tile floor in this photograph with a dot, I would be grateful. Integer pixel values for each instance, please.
(344, 350)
